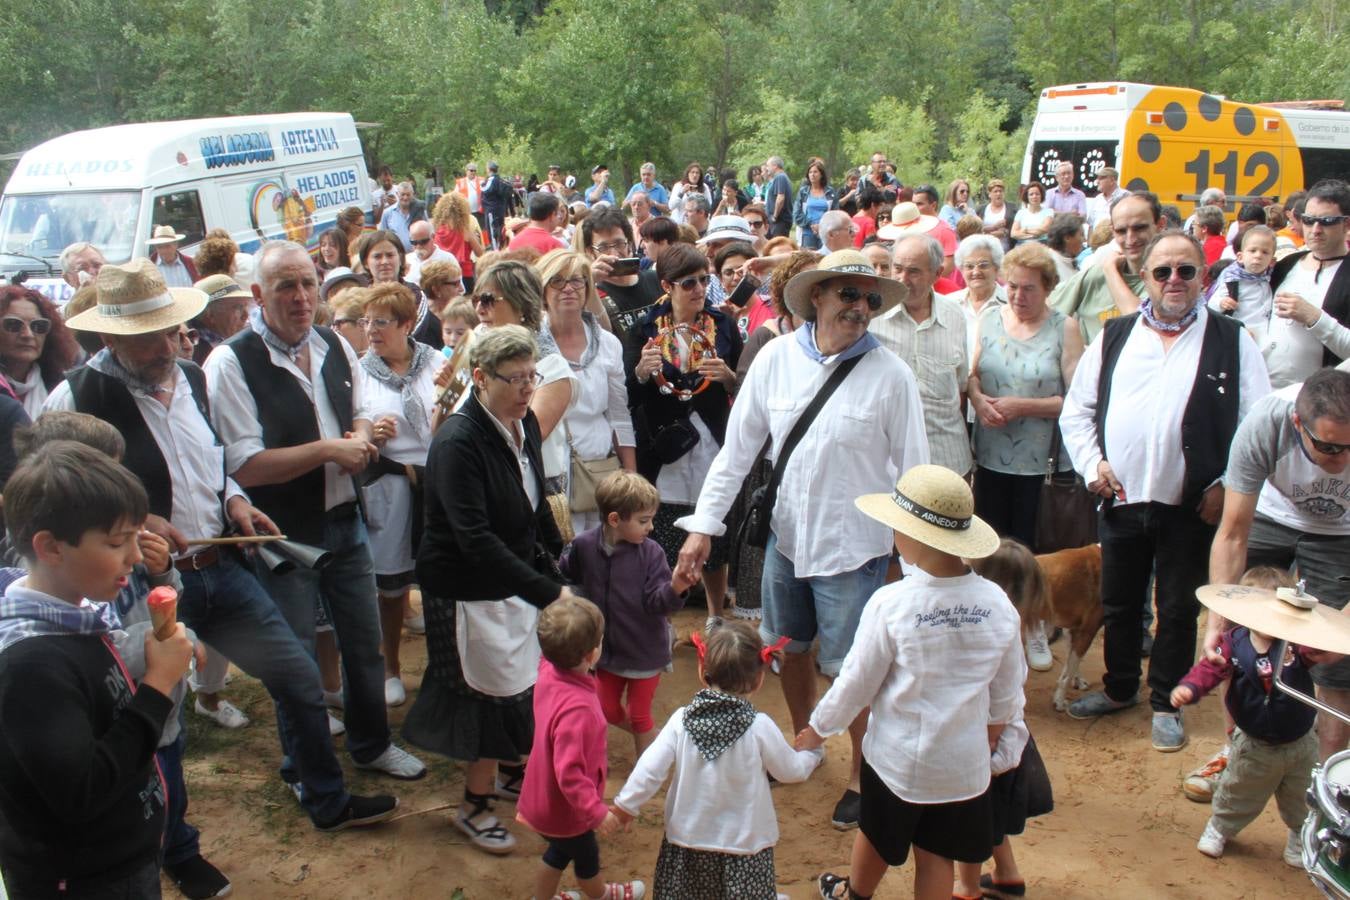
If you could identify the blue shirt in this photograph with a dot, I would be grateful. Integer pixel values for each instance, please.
(657, 193)
(606, 195)
(397, 221)
(780, 185)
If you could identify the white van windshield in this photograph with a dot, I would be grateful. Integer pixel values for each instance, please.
(42, 225)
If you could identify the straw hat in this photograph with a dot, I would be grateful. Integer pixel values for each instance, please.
(222, 287)
(905, 219)
(728, 228)
(797, 294)
(133, 299)
(338, 275)
(1322, 626)
(164, 234)
(933, 505)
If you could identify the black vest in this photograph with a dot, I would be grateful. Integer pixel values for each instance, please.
(108, 399)
(1211, 416)
(1337, 301)
(289, 419)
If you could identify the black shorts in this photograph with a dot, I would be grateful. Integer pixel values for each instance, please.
(961, 830)
(582, 851)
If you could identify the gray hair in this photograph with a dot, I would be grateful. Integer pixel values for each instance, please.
(776, 162)
(68, 255)
(648, 167)
(930, 244)
(404, 184)
(262, 261)
(1210, 217)
(1211, 195)
(979, 242)
(501, 345)
(832, 221)
(698, 200)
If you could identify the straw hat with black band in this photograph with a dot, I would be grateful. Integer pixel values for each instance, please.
(222, 287)
(133, 299)
(934, 506)
(797, 295)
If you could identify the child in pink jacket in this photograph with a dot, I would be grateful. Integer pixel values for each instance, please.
(563, 797)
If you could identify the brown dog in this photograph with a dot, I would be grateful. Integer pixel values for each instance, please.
(1063, 588)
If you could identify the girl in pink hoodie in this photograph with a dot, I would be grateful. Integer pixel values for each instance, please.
(563, 797)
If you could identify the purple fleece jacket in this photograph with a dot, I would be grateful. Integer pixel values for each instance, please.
(632, 588)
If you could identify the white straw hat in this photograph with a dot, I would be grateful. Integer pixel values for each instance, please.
(906, 219)
(164, 234)
(133, 299)
(933, 505)
(797, 294)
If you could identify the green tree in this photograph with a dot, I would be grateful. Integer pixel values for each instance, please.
(903, 131)
(981, 149)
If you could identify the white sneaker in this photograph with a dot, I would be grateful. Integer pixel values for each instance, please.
(336, 726)
(1293, 850)
(1038, 649)
(1211, 842)
(415, 625)
(394, 695)
(226, 714)
(333, 699)
(396, 763)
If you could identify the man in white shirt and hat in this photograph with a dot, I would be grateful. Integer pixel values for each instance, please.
(869, 431)
(177, 269)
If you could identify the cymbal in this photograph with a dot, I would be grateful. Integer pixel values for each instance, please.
(1321, 628)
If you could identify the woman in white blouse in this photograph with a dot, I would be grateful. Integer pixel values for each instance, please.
(598, 425)
(397, 378)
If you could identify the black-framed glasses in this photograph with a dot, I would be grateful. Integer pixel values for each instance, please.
(381, 322)
(419, 242)
(688, 283)
(852, 294)
(15, 325)
(533, 379)
(1325, 221)
(1185, 272)
(485, 298)
(755, 224)
(557, 282)
(611, 248)
(1321, 446)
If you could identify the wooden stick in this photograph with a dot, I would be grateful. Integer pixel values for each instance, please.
(422, 812)
(237, 539)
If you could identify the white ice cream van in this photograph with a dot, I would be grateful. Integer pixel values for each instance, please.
(258, 177)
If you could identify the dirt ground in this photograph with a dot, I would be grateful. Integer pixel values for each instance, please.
(1121, 827)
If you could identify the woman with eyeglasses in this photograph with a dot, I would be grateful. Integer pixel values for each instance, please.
(458, 234)
(597, 427)
(978, 259)
(486, 568)
(681, 364)
(396, 381)
(348, 308)
(36, 348)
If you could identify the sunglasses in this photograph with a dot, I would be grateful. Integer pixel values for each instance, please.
(850, 294)
(688, 283)
(15, 325)
(755, 223)
(418, 243)
(1321, 446)
(484, 298)
(1185, 272)
(576, 282)
(1324, 221)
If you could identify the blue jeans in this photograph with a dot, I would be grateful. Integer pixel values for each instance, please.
(180, 838)
(347, 586)
(828, 606)
(228, 608)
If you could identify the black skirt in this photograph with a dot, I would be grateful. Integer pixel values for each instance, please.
(1020, 794)
(451, 718)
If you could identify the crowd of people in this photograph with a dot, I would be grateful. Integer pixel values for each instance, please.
(564, 428)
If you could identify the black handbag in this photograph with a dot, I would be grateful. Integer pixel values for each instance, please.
(755, 527)
(1067, 514)
(674, 440)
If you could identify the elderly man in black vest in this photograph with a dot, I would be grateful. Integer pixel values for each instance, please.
(1148, 420)
(283, 400)
(159, 404)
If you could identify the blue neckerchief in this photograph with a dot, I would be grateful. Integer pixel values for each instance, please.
(1236, 272)
(270, 338)
(806, 339)
(1146, 310)
(105, 363)
(26, 613)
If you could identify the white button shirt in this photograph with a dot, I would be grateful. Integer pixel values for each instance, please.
(235, 412)
(1293, 351)
(196, 462)
(1149, 392)
(869, 432)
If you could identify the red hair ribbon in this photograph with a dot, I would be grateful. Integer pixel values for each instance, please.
(767, 652)
(699, 644)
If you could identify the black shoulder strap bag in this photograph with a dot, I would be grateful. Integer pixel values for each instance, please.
(755, 526)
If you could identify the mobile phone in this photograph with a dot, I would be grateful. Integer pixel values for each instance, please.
(629, 265)
(744, 291)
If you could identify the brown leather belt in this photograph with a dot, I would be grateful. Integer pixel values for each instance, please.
(202, 559)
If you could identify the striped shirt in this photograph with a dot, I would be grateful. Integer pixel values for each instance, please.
(936, 350)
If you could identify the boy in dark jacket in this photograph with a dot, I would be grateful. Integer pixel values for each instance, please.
(82, 803)
(1273, 746)
(625, 573)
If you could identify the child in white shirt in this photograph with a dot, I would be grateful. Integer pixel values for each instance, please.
(720, 823)
(938, 658)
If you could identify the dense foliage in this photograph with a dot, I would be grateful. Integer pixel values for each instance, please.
(944, 86)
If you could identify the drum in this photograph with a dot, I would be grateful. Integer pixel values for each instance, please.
(1326, 832)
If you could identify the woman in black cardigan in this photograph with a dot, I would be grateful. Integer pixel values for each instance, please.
(486, 569)
(681, 370)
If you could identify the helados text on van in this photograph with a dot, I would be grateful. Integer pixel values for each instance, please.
(219, 151)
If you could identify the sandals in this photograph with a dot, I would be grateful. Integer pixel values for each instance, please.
(484, 830)
(1003, 890)
(624, 890)
(829, 883)
(509, 784)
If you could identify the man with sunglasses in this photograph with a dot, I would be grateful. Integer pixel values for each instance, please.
(1166, 384)
(1310, 322)
(424, 250)
(1287, 501)
(824, 559)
